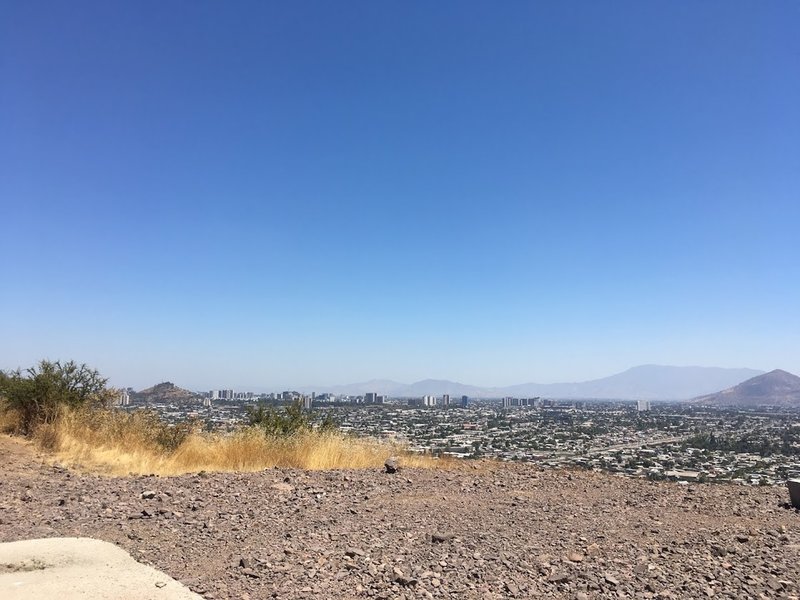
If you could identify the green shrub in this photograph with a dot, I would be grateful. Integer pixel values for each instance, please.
(293, 419)
(38, 395)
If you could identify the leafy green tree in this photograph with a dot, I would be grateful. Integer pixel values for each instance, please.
(39, 394)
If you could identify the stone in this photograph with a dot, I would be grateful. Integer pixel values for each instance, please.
(148, 494)
(391, 465)
(440, 538)
(406, 581)
(774, 584)
(575, 557)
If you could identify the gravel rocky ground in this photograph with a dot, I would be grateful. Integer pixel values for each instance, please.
(477, 531)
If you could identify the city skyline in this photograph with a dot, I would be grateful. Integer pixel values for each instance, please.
(650, 382)
(316, 194)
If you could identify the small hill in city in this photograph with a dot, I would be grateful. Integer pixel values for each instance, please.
(776, 388)
(164, 392)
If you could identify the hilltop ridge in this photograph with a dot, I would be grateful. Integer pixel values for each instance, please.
(776, 388)
(164, 392)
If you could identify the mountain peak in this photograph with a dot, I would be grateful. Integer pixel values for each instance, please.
(776, 388)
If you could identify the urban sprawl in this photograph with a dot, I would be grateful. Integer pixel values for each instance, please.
(658, 440)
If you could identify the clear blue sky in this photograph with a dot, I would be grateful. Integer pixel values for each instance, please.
(257, 194)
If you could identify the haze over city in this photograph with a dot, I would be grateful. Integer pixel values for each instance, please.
(283, 195)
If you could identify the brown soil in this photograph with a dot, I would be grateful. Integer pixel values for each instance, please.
(499, 532)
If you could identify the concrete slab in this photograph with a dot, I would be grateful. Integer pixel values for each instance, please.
(85, 568)
(794, 492)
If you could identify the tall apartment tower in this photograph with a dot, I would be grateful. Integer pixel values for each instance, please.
(643, 405)
(464, 401)
(446, 400)
(308, 402)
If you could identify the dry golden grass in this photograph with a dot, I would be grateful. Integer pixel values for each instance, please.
(118, 443)
(9, 420)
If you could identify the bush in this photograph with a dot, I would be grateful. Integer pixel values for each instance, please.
(291, 421)
(40, 394)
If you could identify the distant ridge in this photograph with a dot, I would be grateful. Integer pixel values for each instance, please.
(776, 388)
(164, 392)
(647, 382)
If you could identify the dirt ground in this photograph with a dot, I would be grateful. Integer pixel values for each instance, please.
(479, 531)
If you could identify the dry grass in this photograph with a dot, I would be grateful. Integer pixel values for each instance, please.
(118, 443)
(9, 419)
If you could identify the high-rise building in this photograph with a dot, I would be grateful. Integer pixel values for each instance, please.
(370, 398)
(446, 400)
(643, 405)
(464, 401)
(124, 398)
(308, 402)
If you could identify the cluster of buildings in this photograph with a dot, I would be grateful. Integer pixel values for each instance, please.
(626, 438)
(230, 395)
(635, 439)
(430, 401)
(509, 402)
(124, 398)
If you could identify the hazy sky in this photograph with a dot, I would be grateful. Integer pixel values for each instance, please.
(257, 194)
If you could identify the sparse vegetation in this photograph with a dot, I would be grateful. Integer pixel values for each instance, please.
(39, 395)
(292, 420)
(122, 443)
(64, 408)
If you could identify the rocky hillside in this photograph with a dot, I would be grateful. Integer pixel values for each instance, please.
(776, 388)
(164, 392)
(479, 531)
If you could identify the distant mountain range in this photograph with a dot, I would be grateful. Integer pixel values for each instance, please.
(646, 382)
(776, 388)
